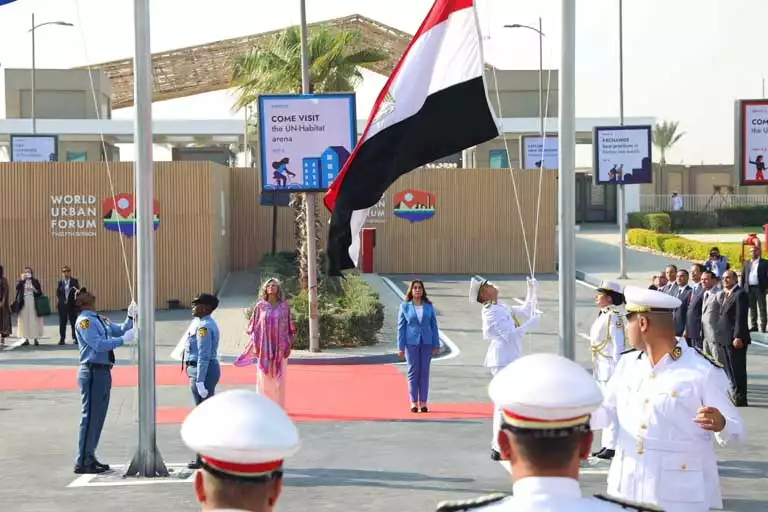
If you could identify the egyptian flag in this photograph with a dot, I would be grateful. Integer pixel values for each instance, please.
(434, 104)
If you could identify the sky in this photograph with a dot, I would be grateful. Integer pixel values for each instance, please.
(685, 61)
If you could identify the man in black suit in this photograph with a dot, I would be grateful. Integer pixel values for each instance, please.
(682, 292)
(733, 333)
(754, 280)
(693, 333)
(65, 302)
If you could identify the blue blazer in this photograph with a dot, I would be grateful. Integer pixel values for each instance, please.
(412, 332)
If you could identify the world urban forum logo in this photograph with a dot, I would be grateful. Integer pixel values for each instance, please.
(414, 205)
(119, 213)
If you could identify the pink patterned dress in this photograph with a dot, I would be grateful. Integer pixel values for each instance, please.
(271, 331)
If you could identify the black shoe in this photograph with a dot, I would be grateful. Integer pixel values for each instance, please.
(37, 343)
(101, 465)
(606, 454)
(495, 455)
(61, 342)
(89, 470)
(424, 409)
(25, 343)
(414, 409)
(195, 464)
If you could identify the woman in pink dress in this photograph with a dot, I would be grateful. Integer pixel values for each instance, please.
(271, 331)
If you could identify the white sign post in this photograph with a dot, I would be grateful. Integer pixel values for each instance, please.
(305, 140)
(622, 155)
(34, 148)
(538, 152)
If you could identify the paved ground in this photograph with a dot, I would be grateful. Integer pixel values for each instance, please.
(362, 448)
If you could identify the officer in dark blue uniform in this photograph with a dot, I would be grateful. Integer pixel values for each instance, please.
(97, 338)
(201, 352)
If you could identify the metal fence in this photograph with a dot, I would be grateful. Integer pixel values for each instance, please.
(700, 203)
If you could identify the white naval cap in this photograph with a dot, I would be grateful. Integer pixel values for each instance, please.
(474, 289)
(240, 434)
(545, 394)
(610, 286)
(643, 300)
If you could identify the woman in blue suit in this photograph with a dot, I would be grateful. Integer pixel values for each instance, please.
(417, 341)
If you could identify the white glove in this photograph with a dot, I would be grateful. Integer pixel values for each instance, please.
(128, 336)
(133, 309)
(533, 284)
(201, 390)
(533, 321)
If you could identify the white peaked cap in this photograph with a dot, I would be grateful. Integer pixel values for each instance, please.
(240, 433)
(610, 286)
(643, 300)
(545, 392)
(474, 289)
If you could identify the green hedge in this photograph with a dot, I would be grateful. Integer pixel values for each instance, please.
(737, 216)
(684, 248)
(349, 311)
(678, 221)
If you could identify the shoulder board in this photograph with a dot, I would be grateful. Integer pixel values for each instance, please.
(456, 506)
(708, 357)
(202, 332)
(629, 351)
(629, 505)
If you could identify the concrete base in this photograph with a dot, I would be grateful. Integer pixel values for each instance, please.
(178, 473)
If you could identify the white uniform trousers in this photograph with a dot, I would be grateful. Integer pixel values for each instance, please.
(496, 414)
(608, 437)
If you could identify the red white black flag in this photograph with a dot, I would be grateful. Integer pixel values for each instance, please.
(434, 104)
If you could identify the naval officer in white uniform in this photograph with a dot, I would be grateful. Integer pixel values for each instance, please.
(670, 401)
(546, 401)
(606, 339)
(504, 326)
(242, 439)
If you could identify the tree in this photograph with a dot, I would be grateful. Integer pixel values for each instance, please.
(334, 61)
(664, 137)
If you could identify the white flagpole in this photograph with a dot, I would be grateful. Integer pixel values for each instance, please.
(566, 182)
(147, 462)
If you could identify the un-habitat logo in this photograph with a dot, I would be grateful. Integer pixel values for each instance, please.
(119, 213)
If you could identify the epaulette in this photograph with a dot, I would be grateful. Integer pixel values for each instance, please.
(629, 505)
(456, 506)
(629, 351)
(708, 357)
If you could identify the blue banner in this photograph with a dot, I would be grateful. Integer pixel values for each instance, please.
(5, 2)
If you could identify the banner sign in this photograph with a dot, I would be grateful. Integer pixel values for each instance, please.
(752, 141)
(534, 147)
(305, 140)
(622, 154)
(34, 148)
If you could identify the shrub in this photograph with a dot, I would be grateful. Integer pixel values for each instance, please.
(635, 220)
(349, 311)
(684, 248)
(739, 216)
(679, 221)
(658, 222)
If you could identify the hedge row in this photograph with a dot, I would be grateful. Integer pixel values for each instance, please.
(735, 216)
(349, 311)
(684, 248)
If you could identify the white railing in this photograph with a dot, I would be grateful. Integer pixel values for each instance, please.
(700, 203)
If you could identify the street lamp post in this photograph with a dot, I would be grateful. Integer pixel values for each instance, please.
(622, 196)
(34, 67)
(541, 69)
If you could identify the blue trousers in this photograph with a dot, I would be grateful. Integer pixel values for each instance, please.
(95, 386)
(419, 359)
(211, 380)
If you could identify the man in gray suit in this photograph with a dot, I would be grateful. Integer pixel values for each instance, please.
(692, 332)
(710, 312)
(671, 287)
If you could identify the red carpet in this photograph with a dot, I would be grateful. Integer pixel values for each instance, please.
(314, 392)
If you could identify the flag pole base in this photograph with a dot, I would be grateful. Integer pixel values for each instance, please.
(145, 466)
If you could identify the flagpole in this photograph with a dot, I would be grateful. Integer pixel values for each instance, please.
(147, 462)
(566, 183)
(309, 203)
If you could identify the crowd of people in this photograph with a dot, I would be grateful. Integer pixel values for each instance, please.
(719, 310)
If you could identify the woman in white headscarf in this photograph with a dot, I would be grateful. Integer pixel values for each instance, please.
(271, 333)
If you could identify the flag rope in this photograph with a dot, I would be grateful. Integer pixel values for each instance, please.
(130, 276)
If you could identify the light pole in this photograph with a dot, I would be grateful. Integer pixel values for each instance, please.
(622, 197)
(541, 69)
(34, 84)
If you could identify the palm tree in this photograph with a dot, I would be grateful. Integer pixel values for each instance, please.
(334, 61)
(665, 136)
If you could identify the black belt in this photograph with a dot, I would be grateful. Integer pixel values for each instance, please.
(193, 364)
(97, 366)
